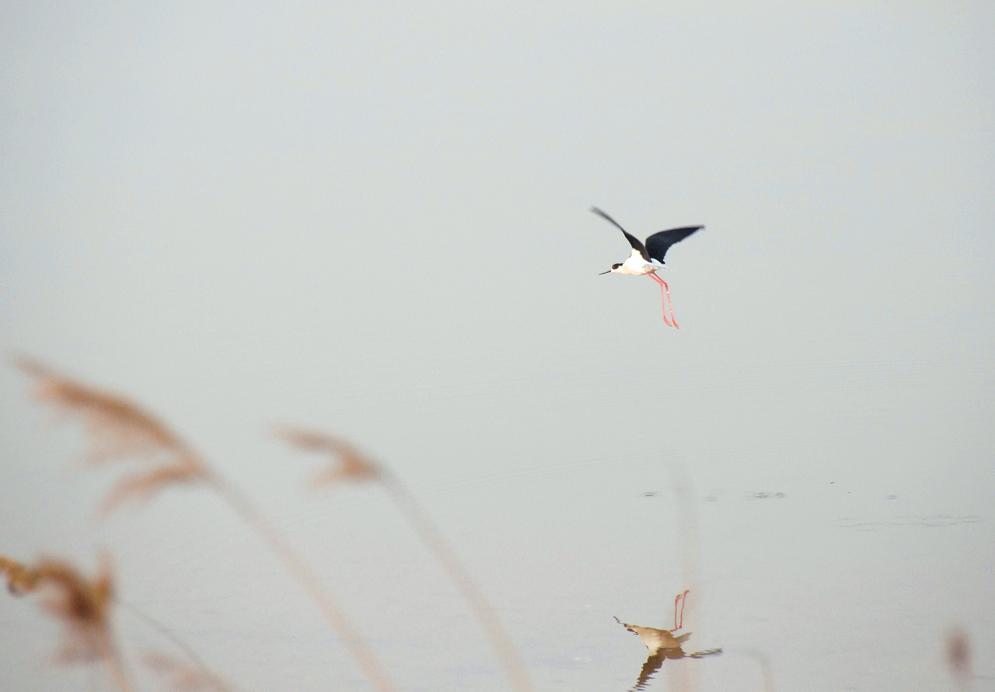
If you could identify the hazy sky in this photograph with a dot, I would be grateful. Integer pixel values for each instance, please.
(374, 220)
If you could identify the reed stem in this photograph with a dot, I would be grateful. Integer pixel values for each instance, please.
(216, 682)
(114, 663)
(433, 539)
(333, 613)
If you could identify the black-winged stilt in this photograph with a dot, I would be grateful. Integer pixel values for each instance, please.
(646, 259)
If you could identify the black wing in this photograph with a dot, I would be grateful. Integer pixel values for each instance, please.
(658, 243)
(633, 240)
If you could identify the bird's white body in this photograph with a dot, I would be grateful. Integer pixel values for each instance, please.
(635, 265)
(647, 258)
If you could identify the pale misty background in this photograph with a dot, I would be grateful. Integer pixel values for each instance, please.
(375, 221)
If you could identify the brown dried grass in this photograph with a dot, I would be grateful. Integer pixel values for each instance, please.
(195, 668)
(347, 463)
(181, 676)
(84, 606)
(120, 429)
(21, 579)
(81, 604)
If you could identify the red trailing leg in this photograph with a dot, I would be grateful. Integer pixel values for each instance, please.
(680, 599)
(669, 304)
(664, 300)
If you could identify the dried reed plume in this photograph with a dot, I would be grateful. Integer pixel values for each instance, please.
(349, 464)
(121, 429)
(83, 606)
(21, 579)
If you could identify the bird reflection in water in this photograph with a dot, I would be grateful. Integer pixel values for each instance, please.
(664, 645)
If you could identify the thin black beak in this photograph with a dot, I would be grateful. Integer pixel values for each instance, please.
(603, 273)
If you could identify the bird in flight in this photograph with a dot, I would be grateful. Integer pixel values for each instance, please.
(647, 258)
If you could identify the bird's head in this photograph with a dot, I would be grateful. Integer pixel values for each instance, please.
(614, 268)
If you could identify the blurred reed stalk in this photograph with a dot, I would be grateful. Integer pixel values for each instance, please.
(183, 677)
(83, 606)
(196, 677)
(118, 428)
(958, 655)
(349, 464)
(766, 670)
(686, 521)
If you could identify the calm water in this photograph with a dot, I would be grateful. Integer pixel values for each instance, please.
(792, 556)
(254, 217)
